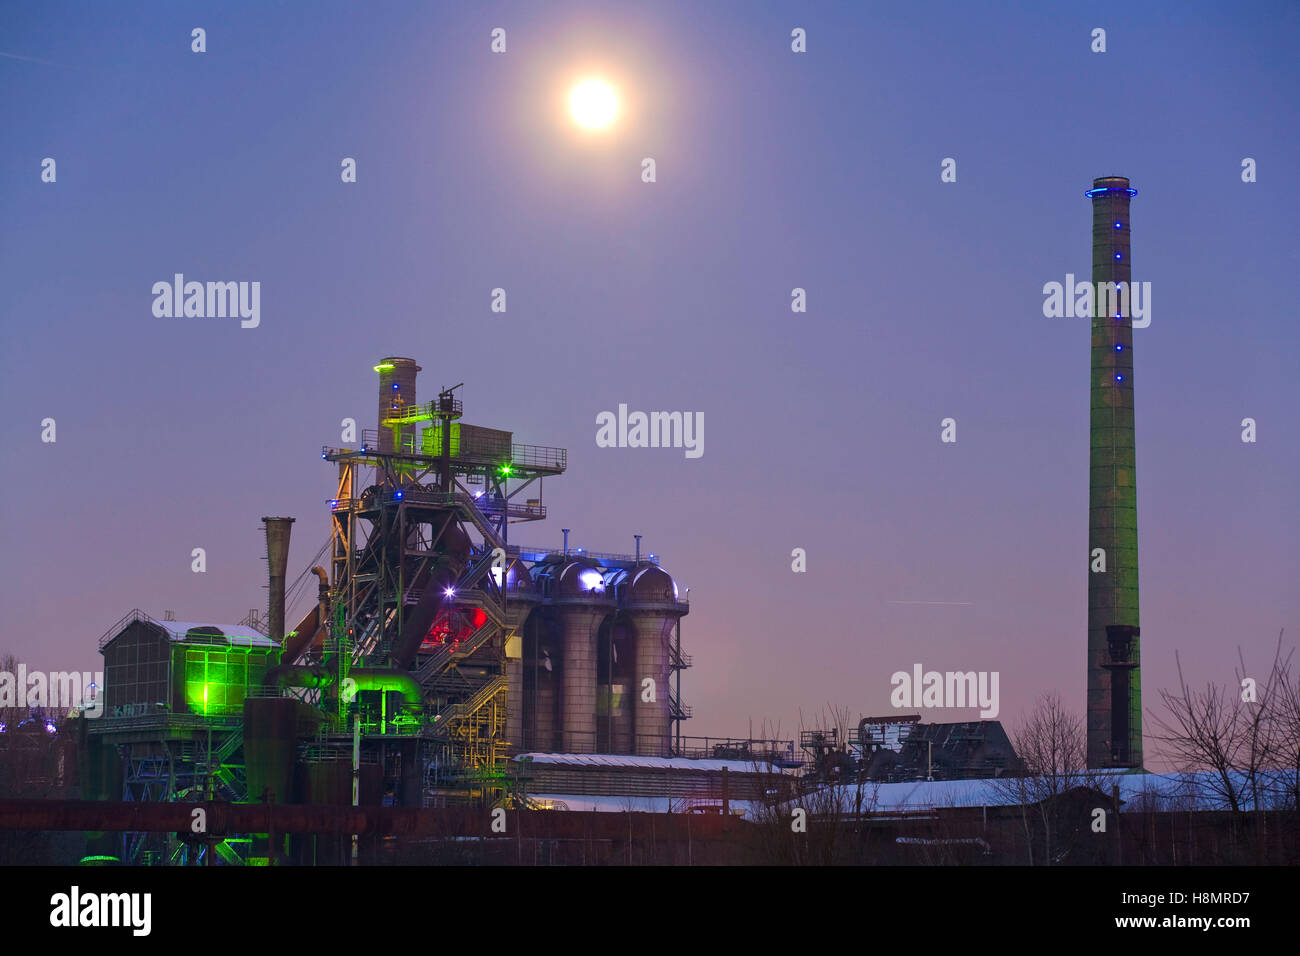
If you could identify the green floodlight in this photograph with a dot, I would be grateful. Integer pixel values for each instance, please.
(505, 470)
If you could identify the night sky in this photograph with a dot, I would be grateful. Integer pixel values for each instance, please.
(775, 170)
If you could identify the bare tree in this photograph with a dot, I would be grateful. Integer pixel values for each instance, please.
(817, 818)
(1243, 735)
(1285, 713)
(1053, 747)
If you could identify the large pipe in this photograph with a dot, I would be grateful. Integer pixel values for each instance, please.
(415, 627)
(386, 679)
(277, 562)
(314, 625)
(436, 580)
(317, 677)
(322, 605)
(300, 638)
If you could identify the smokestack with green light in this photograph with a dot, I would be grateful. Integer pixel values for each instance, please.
(1114, 717)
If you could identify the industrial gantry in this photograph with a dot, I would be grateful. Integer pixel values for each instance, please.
(417, 595)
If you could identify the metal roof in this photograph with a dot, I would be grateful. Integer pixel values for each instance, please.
(236, 634)
(1198, 790)
(630, 761)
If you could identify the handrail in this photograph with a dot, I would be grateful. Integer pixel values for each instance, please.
(131, 616)
(487, 451)
(443, 655)
(539, 554)
(467, 708)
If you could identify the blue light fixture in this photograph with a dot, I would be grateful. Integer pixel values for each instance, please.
(1118, 225)
(1119, 348)
(1119, 378)
(1119, 255)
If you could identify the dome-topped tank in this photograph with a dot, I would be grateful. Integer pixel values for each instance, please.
(578, 579)
(649, 584)
(517, 576)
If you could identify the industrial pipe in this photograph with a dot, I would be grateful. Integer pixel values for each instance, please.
(435, 580)
(313, 677)
(317, 677)
(298, 640)
(386, 679)
(313, 624)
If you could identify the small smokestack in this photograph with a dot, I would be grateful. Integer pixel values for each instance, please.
(396, 388)
(277, 563)
(638, 548)
(566, 541)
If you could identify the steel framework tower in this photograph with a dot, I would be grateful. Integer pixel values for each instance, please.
(1114, 672)
(411, 589)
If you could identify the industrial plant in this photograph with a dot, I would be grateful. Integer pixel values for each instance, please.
(441, 665)
(437, 650)
(444, 670)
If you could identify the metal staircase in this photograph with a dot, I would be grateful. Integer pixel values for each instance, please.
(469, 707)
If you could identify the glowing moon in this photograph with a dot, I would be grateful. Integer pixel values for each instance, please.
(593, 104)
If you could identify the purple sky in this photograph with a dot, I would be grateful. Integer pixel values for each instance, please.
(775, 170)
